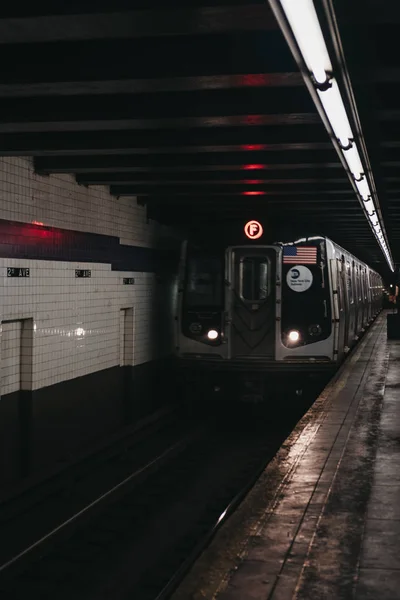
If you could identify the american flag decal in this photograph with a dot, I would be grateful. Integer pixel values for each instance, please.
(300, 255)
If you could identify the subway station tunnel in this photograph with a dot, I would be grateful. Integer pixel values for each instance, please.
(128, 127)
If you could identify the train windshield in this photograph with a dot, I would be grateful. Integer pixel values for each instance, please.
(254, 278)
(203, 281)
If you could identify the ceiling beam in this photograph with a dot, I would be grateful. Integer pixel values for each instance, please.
(220, 177)
(318, 199)
(247, 160)
(137, 24)
(192, 140)
(126, 85)
(246, 190)
(151, 124)
(250, 53)
(246, 104)
(152, 86)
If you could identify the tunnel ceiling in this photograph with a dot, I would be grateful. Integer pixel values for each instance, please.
(200, 111)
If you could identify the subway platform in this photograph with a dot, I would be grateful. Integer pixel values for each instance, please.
(323, 521)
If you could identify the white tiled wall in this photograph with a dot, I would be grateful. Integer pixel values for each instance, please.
(57, 201)
(76, 321)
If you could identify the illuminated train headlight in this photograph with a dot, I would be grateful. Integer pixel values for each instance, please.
(212, 334)
(294, 336)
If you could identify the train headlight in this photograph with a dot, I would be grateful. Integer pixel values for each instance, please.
(314, 330)
(293, 336)
(212, 334)
(195, 328)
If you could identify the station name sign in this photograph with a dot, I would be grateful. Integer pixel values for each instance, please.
(83, 273)
(17, 272)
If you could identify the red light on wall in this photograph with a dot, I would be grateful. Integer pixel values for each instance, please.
(253, 167)
(253, 147)
(37, 223)
(254, 193)
(253, 230)
(254, 119)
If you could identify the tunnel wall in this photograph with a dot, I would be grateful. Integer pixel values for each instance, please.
(81, 357)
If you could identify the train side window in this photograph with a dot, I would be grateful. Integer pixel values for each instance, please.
(254, 278)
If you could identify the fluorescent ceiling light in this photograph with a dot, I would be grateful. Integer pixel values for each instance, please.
(363, 188)
(303, 21)
(354, 161)
(369, 206)
(305, 26)
(336, 113)
(374, 223)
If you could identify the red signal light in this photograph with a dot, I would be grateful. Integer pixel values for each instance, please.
(254, 193)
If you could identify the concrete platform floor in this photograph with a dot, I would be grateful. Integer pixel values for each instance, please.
(323, 521)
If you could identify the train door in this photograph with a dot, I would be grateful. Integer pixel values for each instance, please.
(351, 313)
(251, 302)
(356, 304)
(370, 296)
(340, 306)
(364, 297)
(359, 298)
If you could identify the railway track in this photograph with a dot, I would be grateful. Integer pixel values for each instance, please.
(27, 518)
(138, 539)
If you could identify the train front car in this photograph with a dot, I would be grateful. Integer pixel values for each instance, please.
(254, 319)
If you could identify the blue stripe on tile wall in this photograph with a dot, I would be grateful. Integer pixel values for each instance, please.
(36, 242)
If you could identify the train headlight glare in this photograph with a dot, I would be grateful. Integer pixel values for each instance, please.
(294, 336)
(212, 334)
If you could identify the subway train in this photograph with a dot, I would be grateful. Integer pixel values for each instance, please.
(252, 317)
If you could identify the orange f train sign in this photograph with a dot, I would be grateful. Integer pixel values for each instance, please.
(253, 230)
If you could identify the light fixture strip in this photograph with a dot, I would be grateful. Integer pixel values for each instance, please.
(304, 24)
(307, 32)
(353, 161)
(333, 105)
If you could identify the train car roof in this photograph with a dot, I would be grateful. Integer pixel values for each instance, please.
(220, 244)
